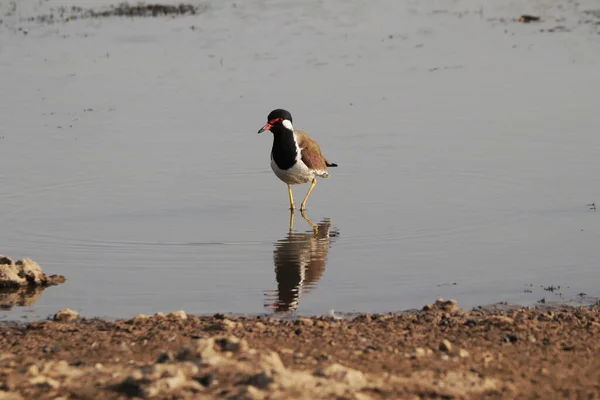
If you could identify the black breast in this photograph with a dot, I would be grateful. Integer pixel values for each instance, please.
(284, 148)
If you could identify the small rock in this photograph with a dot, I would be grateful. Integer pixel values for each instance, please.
(4, 260)
(445, 345)
(53, 349)
(31, 271)
(420, 352)
(502, 320)
(305, 321)
(233, 344)
(140, 318)
(462, 353)
(323, 357)
(247, 393)
(165, 357)
(442, 305)
(260, 326)
(130, 387)
(199, 350)
(352, 377)
(228, 324)
(177, 315)
(66, 315)
(272, 362)
(444, 357)
(33, 370)
(44, 381)
(532, 339)
(206, 380)
(60, 369)
(261, 380)
(9, 275)
(511, 338)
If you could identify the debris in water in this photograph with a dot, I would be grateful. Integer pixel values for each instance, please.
(528, 18)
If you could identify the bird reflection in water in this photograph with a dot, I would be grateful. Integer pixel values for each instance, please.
(300, 260)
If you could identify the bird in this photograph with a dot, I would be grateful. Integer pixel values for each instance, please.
(296, 158)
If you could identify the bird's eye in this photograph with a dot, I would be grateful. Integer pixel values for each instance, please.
(276, 120)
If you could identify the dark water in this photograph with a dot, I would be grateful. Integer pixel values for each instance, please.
(467, 150)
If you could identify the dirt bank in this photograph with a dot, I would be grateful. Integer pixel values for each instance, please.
(441, 351)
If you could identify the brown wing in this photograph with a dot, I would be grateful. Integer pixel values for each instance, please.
(311, 153)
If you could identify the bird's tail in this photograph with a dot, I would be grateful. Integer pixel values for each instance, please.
(330, 164)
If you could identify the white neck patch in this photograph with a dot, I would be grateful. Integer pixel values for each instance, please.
(288, 124)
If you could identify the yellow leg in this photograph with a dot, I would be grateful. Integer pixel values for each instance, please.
(312, 185)
(292, 207)
(314, 226)
(291, 220)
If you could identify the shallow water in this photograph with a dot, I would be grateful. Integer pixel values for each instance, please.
(467, 150)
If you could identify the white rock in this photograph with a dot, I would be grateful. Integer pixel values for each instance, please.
(66, 315)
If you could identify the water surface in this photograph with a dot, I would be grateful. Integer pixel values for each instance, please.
(467, 147)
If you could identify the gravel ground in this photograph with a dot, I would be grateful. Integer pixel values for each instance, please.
(441, 351)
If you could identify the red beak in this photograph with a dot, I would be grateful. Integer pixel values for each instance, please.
(265, 128)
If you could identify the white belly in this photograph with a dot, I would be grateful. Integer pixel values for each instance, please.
(299, 173)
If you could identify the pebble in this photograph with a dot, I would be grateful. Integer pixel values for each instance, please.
(33, 370)
(272, 361)
(247, 393)
(261, 380)
(511, 338)
(445, 345)
(206, 380)
(338, 372)
(305, 321)
(502, 320)
(41, 380)
(165, 357)
(228, 324)
(442, 305)
(260, 326)
(233, 344)
(178, 315)
(140, 317)
(420, 352)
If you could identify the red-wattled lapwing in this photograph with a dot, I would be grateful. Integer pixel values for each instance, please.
(295, 158)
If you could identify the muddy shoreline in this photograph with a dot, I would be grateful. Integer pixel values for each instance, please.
(440, 351)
